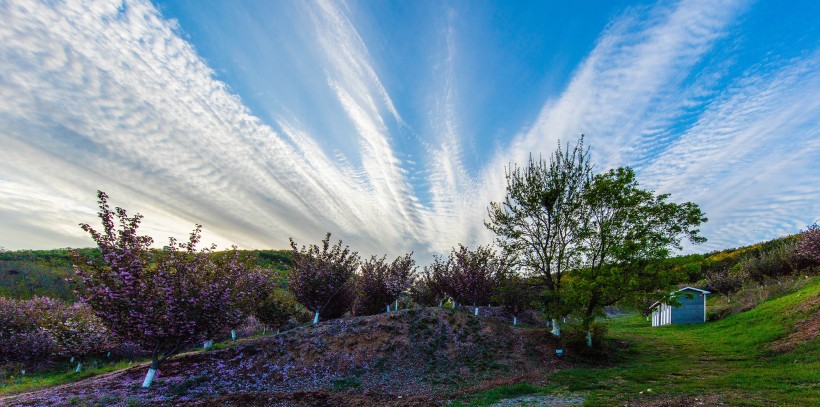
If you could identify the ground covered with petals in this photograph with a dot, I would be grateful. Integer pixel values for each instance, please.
(411, 357)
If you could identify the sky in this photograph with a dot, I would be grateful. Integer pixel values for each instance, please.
(390, 123)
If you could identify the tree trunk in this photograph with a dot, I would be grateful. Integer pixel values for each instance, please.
(556, 327)
(79, 367)
(476, 311)
(316, 318)
(208, 344)
(72, 360)
(440, 303)
(388, 308)
(515, 321)
(233, 334)
(589, 338)
(397, 305)
(149, 377)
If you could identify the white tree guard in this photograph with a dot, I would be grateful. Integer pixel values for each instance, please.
(149, 377)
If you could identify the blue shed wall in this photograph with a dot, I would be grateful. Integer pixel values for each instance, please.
(691, 309)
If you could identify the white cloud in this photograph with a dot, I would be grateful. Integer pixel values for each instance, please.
(111, 98)
(97, 96)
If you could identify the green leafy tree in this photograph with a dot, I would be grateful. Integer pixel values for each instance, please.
(626, 235)
(537, 224)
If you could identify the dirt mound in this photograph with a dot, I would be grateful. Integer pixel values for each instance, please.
(410, 357)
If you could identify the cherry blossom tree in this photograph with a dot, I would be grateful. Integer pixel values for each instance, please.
(429, 288)
(162, 300)
(380, 284)
(74, 328)
(473, 275)
(809, 245)
(322, 279)
(21, 339)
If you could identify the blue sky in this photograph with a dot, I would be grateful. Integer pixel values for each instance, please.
(390, 123)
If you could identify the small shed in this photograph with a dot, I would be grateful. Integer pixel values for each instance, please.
(692, 308)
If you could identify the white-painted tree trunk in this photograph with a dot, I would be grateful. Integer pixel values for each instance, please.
(556, 327)
(476, 310)
(397, 305)
(79, 367)
(440, 303)
(208, 344)
(108, 355)
(264, 330)
(23, 373)
(388, 308)
(453, 304)
(233, 334)
(515, 321)
(316, 318)
(589, 338)
(72, 360)
(149, 377)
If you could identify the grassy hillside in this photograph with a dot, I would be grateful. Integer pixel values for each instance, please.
(767, 356)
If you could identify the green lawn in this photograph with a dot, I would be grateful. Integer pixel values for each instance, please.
(729, 358)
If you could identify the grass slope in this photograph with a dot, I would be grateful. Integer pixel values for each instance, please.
(728, 361)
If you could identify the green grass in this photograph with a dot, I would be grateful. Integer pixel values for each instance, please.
(730, 358)
(33, 381)
(39, 380)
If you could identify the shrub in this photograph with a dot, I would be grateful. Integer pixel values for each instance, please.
(775, 262)
(725, 281)
(280, 309)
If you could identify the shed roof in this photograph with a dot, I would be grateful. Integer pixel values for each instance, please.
(693, 289)
(704, 292)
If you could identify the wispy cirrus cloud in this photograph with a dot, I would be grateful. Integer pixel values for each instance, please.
(109, 96)
(103, 95)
